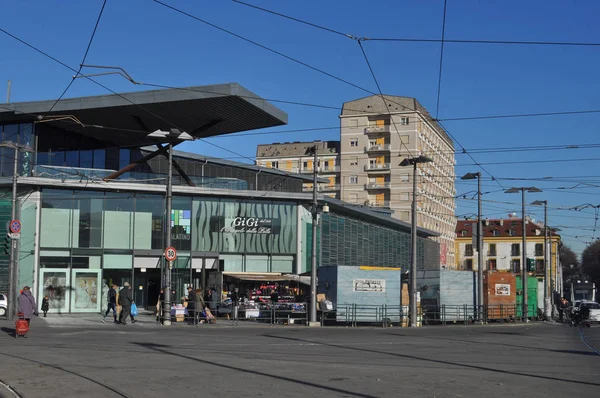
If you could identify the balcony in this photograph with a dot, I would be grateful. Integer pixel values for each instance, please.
(323, 188)
(377, 129)
(320, 170)
(379, 203)
(378, 185)
(377, 166)
(378, 148)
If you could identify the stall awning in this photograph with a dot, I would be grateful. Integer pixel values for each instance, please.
(268, 277)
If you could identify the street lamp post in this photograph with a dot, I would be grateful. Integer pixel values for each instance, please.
(480, 296)
(413, 237)
(173, 135)
(547, 303)
(524, 307)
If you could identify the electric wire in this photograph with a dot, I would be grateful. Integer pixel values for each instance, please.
(83, 60)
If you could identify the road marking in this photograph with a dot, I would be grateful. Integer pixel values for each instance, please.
(583, 339)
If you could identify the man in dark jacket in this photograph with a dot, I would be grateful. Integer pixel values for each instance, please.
(26, 304)
(125, 300)
(112, 303)
(191, 305)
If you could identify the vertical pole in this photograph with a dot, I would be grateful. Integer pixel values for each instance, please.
(12, 268)
(313, 267)
(547, 299)
(8, 91)
(524, 312)
(480, 250)
(169, 264)
(413, 252)
(552, 282)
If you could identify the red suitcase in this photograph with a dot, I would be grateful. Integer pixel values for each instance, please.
(21, 326)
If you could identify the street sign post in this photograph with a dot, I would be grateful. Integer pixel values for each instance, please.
(170, 253)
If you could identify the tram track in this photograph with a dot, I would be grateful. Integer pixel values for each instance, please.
(12, 390)
(587, 344)
(16, 393)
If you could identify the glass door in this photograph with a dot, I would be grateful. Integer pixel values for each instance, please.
(85, 287)
(56, 284)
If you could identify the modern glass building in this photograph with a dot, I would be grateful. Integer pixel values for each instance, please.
(93, 211)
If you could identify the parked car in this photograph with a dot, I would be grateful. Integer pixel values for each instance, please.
(3, 304)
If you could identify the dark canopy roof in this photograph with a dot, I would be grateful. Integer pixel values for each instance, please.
(125, 119)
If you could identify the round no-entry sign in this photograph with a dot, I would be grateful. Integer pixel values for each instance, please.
(170, 253)
(15, 226)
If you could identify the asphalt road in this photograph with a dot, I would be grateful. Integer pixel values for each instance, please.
(145, 360)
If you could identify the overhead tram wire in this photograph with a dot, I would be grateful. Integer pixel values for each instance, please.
(83, 60)
(439, 88)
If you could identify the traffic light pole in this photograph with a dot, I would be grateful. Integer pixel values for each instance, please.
(12, 268)
(168, 264)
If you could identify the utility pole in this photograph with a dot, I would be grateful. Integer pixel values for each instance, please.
(313, 267)
(169, 264)
(547, 270)
(14, 253)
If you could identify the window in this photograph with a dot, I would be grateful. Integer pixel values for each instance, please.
(354, 161)
(404, 121)
(492, 266)
(404, 196)
(353, 179)
(275, 165)
(305, 165)
(496, 232)
(404, 177)
(515, 265)
(405, 139)
(539, 267)
(539, 249)
(468, 250)
(515, 249)
(511, 232)
(492, 249)
(354, 142)
(469, 264)
(463, 232)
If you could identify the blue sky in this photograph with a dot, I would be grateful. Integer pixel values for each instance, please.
(157, 45)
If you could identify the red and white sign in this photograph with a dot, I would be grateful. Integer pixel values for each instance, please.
(170, 253)
(15, 226)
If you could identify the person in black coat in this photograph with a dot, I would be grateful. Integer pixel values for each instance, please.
(125, 301)
(111, 303)
(45, 305)
(191, 304)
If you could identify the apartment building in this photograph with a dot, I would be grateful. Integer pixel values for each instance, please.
(502, 246)
(297, 157)
(377, 133)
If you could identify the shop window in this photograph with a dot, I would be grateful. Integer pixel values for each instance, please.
(257, 263)
(284, 264)
(232, 262)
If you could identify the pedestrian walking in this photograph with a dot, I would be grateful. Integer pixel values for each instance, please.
(111, 303)
(45, 305)
(200, 305)
(125, 301)
(235, 303)
(159, 304)
(191, 305)
(27, 305)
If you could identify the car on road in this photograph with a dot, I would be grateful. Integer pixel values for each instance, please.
(3, 304)
(592, 306)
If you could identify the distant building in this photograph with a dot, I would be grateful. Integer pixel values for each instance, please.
(297, 157)
(376, 135)
(502, 246)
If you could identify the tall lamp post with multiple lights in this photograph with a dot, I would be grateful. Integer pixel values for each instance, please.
(524, 307)
(547, 266)
(413, 237)
(480, 305)
(173, 136)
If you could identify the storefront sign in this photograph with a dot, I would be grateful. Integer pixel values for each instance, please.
(502, 289)
(250, 225)
(368, 285)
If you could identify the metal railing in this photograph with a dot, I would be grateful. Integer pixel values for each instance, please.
(378, 185)
(378, 147)
(377, 129)
(322, 188)
(377, 166)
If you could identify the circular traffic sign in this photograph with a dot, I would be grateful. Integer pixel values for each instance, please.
(170, 253)
(15, 226)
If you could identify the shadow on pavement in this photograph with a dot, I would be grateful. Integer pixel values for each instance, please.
(9, 331)
(434, 360)
(163, 349)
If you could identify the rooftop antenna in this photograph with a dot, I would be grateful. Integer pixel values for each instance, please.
(8, 92)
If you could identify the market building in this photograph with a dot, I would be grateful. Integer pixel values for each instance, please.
(91, 200)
